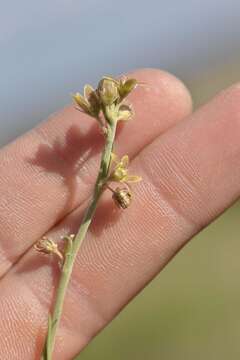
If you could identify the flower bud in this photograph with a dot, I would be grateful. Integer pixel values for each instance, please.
(108, 90)
(92, 98)
(81, 102)
(122, 197)
(48, 246)
(126, 86)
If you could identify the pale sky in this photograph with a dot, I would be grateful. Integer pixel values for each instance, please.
(50, 48)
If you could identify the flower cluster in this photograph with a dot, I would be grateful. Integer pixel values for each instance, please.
(107, 97)
(119, 173)
(105, 104)
(107, 100)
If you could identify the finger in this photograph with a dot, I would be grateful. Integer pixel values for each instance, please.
(49, 171)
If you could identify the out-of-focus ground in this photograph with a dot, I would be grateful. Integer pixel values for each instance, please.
(191, 310)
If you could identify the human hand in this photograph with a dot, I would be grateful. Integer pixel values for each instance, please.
(190, 165)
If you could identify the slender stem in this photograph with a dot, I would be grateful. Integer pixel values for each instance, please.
(74, 246)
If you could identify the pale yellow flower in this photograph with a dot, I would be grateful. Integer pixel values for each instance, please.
(120, 172)
(89, 103)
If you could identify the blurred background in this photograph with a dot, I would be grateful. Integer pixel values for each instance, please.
(52, 48)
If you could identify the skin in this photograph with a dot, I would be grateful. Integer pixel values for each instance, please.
(190, 165)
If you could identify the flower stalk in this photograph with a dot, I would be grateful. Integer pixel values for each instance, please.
(107, 98)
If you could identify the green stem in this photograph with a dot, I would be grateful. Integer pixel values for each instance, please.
(73, 247)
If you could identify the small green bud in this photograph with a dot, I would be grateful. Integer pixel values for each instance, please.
(108, 91)
(126, 86)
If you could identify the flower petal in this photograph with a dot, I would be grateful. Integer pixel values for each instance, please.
(92, 98)
(124, 161)
(132, 178)
(111, 79)
(81, 102)
(88, 89)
